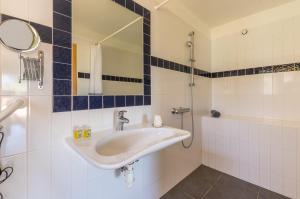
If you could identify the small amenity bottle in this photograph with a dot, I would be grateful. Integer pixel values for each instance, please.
(77, 133)
(87, 131)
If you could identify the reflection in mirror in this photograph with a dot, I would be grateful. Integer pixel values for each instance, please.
(19, 36)
(107, 49)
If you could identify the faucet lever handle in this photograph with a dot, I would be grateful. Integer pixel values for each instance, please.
(121, 113)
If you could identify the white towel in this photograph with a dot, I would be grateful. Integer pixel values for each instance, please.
(96, 70)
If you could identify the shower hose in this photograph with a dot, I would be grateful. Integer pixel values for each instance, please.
(193, 124)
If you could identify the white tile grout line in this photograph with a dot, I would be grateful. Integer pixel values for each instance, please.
(188, 195)
(205, 194)
(212, 186)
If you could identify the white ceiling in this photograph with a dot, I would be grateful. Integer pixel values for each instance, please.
(218, 12)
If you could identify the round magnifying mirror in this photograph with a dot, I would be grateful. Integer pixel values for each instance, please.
(19, 36)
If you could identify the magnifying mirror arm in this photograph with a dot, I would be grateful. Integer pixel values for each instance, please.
(33, 69)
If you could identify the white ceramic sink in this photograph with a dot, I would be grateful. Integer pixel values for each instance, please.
(113, 150)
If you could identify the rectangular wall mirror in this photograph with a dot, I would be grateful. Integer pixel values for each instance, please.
(107, 49)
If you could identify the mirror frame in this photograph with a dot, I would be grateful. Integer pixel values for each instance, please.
(63, 100)
(36, 38)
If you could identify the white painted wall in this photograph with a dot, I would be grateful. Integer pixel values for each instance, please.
(34, 145)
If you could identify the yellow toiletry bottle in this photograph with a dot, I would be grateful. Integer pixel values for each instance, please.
(87, 131)
(77, 133)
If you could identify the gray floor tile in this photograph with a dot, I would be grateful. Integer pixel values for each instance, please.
(195, 188)
(266, 194)
(206, 174)
(229, 187)
(200, 181)
(197, 183)
(177, 193)
(207, 183)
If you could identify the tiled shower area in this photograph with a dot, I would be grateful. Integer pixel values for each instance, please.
(207, 183)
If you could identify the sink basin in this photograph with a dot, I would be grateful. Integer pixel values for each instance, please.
(113, 150)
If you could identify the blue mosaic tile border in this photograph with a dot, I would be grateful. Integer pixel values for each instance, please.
(161, 63)
(258, 70)
(62, 73)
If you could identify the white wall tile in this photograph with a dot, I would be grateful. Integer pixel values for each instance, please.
(9, 7)
(138, 115)
(39, 122)
(61, 173)
(32, 10)
(41, 11)
(61, 128)
(298, 165)
(267, 154)
(276, 160)
(79, 177)
(290, 161)
(39, 174)
(264, 156)
(10, 64)
(18, 179)
(80, 118)
(244, 150)
(105, 119)
(254, 132)
(205, 139)
(95, 120)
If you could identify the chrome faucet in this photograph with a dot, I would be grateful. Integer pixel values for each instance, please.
(120, 120)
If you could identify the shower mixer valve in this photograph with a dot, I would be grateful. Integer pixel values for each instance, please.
(180, 110)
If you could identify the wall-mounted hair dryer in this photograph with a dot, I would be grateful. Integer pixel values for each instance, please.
(12, 107)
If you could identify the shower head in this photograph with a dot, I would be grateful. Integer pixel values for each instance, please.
(189, 44)
(192, 33)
